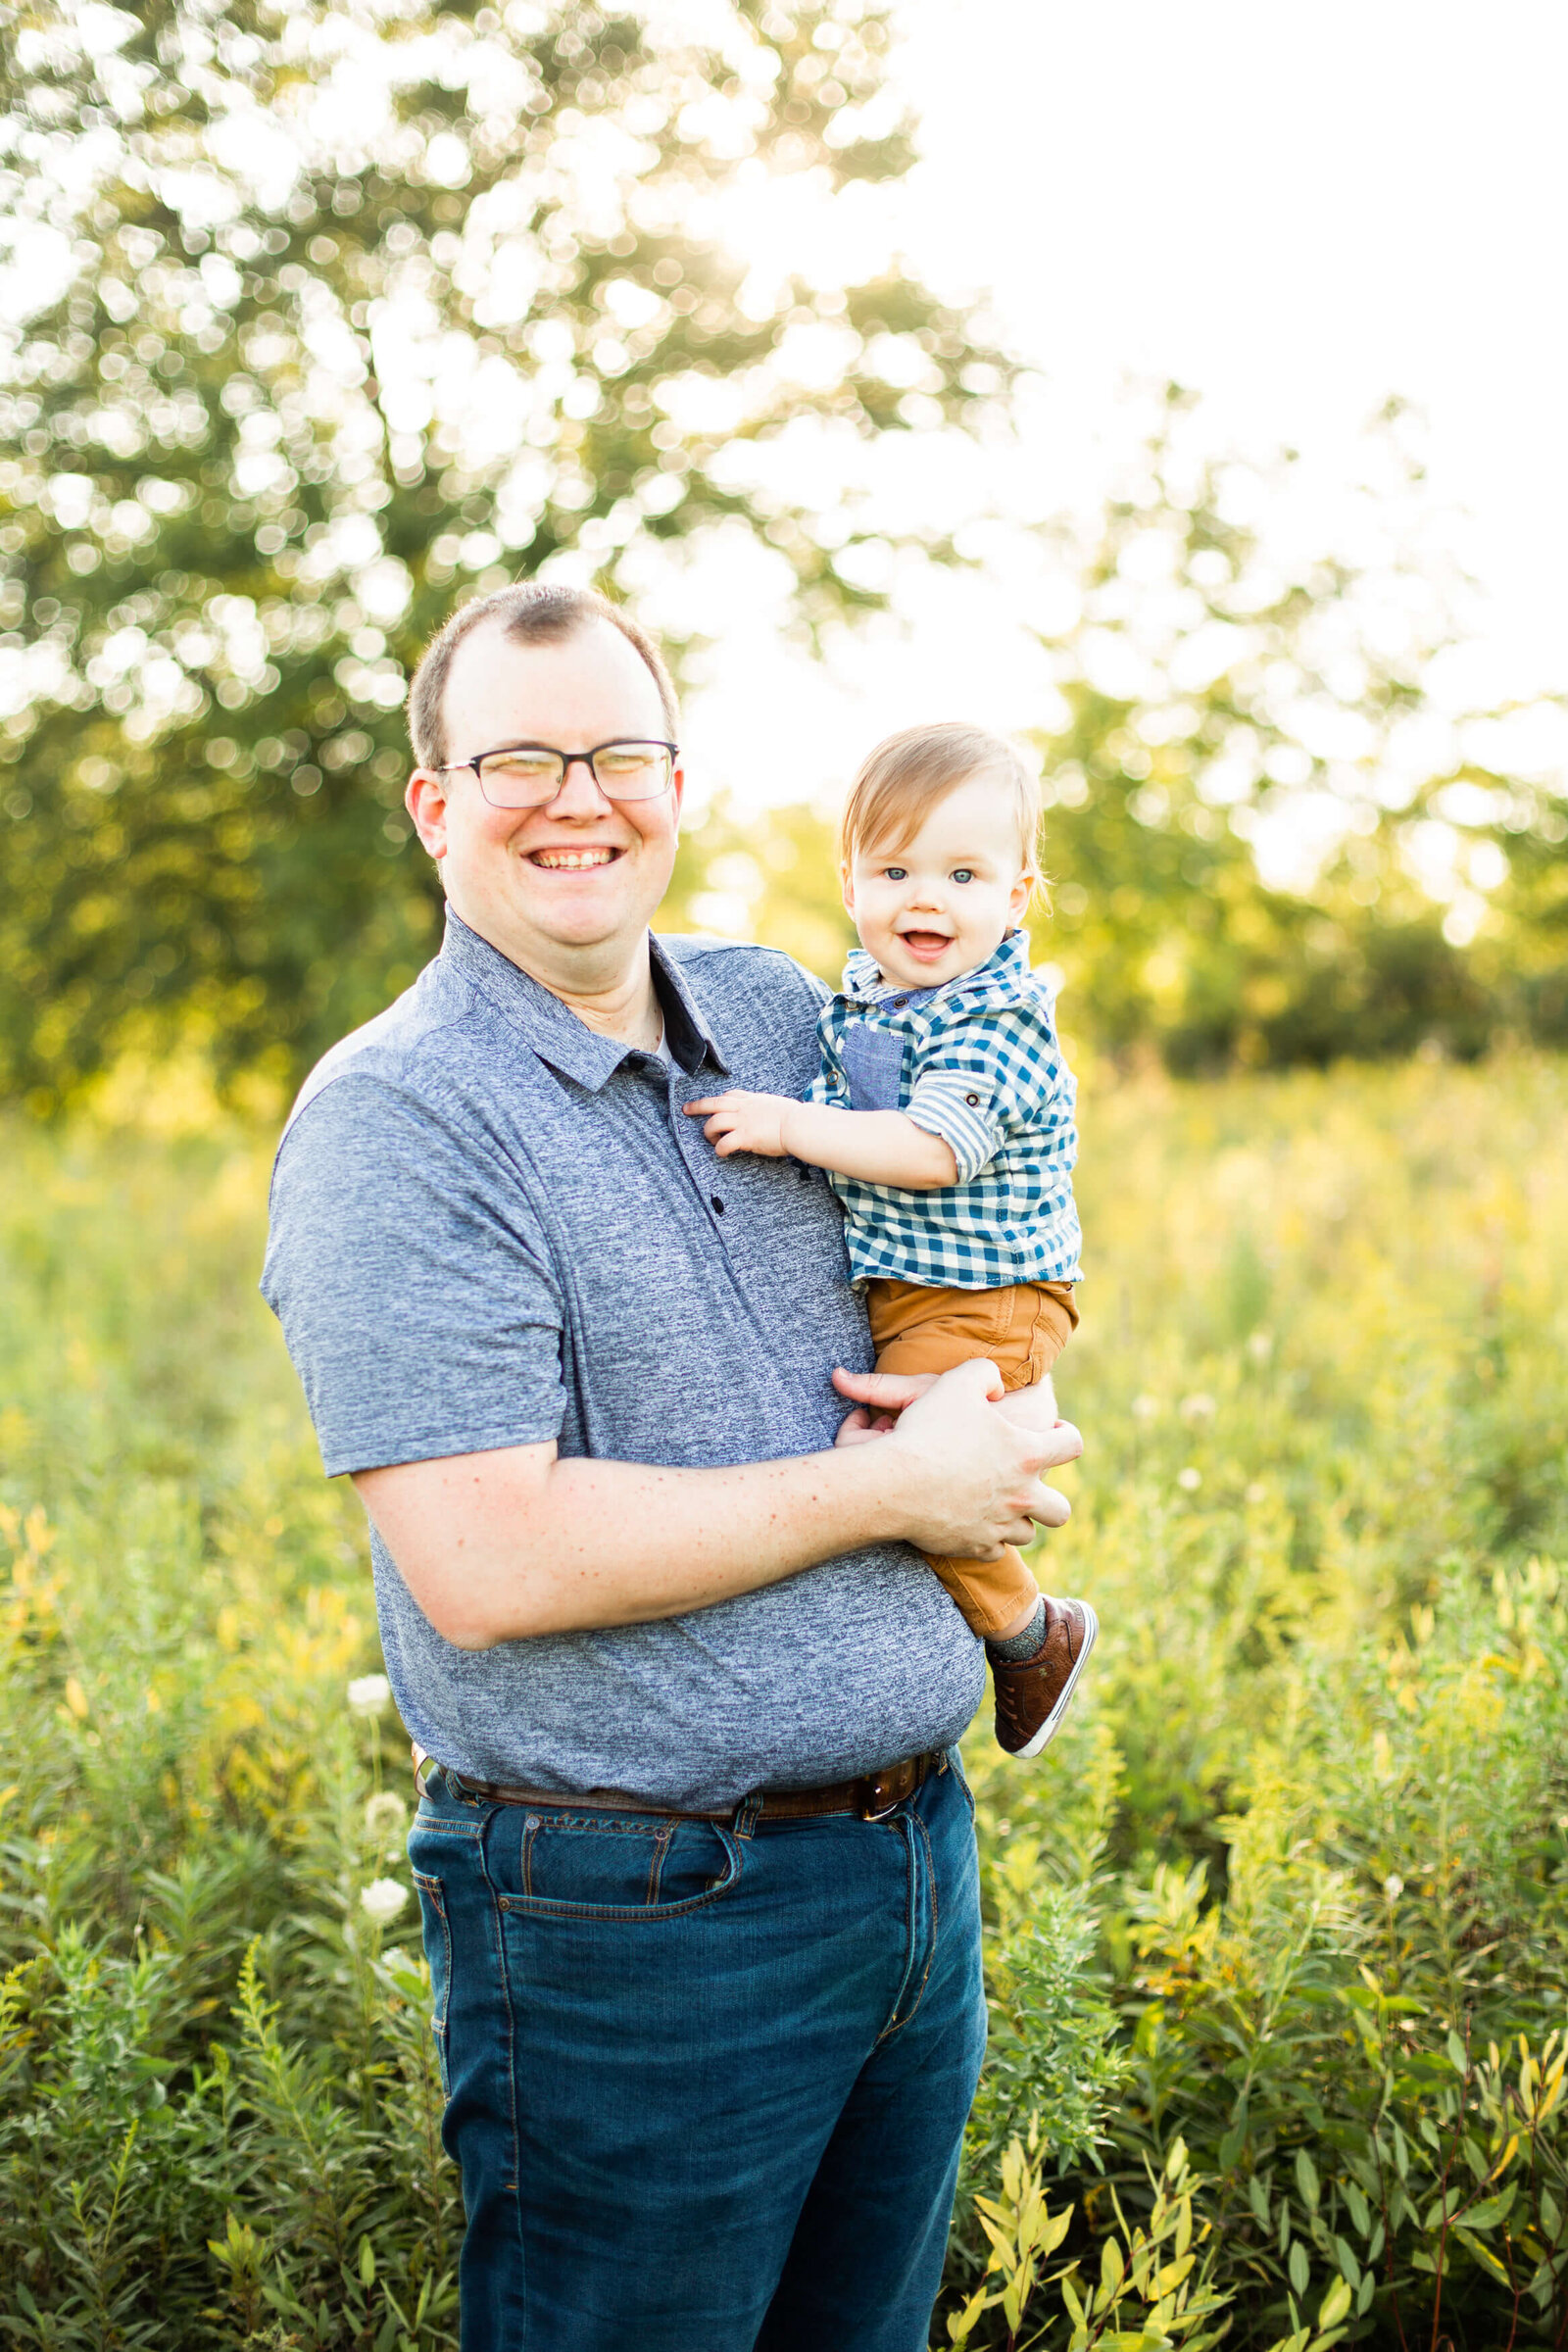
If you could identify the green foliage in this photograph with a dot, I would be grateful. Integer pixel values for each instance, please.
(321, 369)
(1265, 1928)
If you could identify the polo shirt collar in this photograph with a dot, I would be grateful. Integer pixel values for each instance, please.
(556, 1034)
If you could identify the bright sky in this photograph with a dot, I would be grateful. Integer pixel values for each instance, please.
(1295, 209)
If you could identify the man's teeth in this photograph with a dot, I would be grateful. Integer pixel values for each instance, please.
(572, 860)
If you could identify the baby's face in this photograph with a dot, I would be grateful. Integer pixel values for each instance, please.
(939, 904)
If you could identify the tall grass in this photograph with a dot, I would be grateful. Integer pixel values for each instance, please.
(1266, 1925)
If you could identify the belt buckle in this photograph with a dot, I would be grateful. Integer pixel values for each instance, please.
(878, 1811)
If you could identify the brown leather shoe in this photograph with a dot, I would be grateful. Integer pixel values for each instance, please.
(1032, 1695)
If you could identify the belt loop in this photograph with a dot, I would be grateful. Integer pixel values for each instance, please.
(747, 1815)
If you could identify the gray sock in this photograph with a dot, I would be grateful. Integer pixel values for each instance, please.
(1019, 1647)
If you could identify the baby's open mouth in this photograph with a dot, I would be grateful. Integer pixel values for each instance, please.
(572, 862)
(925, 943)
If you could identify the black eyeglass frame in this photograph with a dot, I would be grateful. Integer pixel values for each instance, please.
(568, 759)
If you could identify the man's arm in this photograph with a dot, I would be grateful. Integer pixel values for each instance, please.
(496, 1547)
(880, 1146)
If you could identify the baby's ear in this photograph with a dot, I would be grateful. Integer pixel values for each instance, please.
(847, 885)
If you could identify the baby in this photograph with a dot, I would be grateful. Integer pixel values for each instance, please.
(944, 1116)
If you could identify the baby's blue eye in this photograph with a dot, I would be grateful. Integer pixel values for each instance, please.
(963, 873)
(896, 873)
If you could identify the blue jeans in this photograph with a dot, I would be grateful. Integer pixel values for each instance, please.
(707, 2082)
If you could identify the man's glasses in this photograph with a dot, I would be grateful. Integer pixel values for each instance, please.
(527, 775)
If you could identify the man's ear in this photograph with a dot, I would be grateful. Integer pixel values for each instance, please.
(426, 803)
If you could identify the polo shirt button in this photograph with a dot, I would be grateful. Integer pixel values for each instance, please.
(717, 1202)
(899, 1003)
(971, 1100)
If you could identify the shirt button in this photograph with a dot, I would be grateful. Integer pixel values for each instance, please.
(899, 1003)
(717, 1202)
(971, 1099)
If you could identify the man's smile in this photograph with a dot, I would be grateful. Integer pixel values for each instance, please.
(573, 862)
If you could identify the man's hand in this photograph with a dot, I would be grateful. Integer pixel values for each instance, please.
(739, 1121)
(972, 1473)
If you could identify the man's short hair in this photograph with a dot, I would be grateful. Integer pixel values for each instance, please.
(903, 779)
(533, 612)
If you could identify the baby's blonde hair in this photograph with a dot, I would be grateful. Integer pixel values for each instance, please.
(905, 778)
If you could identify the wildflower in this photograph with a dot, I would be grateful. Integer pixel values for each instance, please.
(1393, 1886)
(1144, 1407)
(369, 1694)
(382, 1901)
(1197, 1408)
(1188, 1479)
(385, 1815)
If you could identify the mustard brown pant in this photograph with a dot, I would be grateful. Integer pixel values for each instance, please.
(1023, 1329)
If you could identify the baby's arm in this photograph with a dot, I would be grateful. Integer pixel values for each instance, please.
(879, 1147)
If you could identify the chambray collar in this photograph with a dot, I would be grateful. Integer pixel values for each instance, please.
(555, 1033)
(1007, 965)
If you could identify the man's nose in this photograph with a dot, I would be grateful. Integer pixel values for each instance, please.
(580, 794)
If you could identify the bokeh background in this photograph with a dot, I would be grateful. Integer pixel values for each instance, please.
(1177, 392)
(1177, 389)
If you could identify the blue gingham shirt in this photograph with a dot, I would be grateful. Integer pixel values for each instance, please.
(977, 1063)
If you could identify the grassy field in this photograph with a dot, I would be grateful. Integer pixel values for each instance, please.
(1278, 1962)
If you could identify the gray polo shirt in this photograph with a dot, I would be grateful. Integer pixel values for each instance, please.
(492, 1226)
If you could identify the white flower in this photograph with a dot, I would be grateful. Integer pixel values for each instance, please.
(1144, 1407)
(1393, 1886)
(385, 1815)
(382, 1901)
(1188, 1479)
(369, 1694)
(1197, 1408)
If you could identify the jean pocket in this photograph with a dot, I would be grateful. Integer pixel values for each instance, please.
(438, 1953)
(604, 1865)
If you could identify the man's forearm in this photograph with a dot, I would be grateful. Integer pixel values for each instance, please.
(496, 1547)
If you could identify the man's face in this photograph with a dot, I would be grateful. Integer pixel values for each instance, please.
(566, 891)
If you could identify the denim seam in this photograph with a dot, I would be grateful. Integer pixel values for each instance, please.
(439, 2027)
(897, 2023)
(902, 1823)
(541, 1907)
(498, 1932)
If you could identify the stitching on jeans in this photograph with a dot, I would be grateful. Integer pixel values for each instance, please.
(656, 1868)
(891, 2026)
(931, 1947)
(538, 1907)
(498, 1932)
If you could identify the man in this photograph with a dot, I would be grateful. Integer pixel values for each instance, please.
(695, 1857)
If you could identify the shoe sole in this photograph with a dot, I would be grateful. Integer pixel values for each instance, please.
(1053, 1724)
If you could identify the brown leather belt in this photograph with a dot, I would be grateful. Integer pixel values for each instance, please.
(873, 1796)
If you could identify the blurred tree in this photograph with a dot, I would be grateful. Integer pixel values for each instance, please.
(365, 307)
(1218, 699)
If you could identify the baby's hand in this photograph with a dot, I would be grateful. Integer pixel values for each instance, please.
(743, 1122)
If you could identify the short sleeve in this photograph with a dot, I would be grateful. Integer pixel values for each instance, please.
(411, 1283)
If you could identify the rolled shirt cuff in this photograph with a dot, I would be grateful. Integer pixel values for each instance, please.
(958, 1110)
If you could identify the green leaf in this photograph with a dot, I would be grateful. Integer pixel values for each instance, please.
(1488, 2212)
(1306, 2179)
(1482, 2254)
(1334, 2304)
(1300, 2268)
(1257, 2198)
